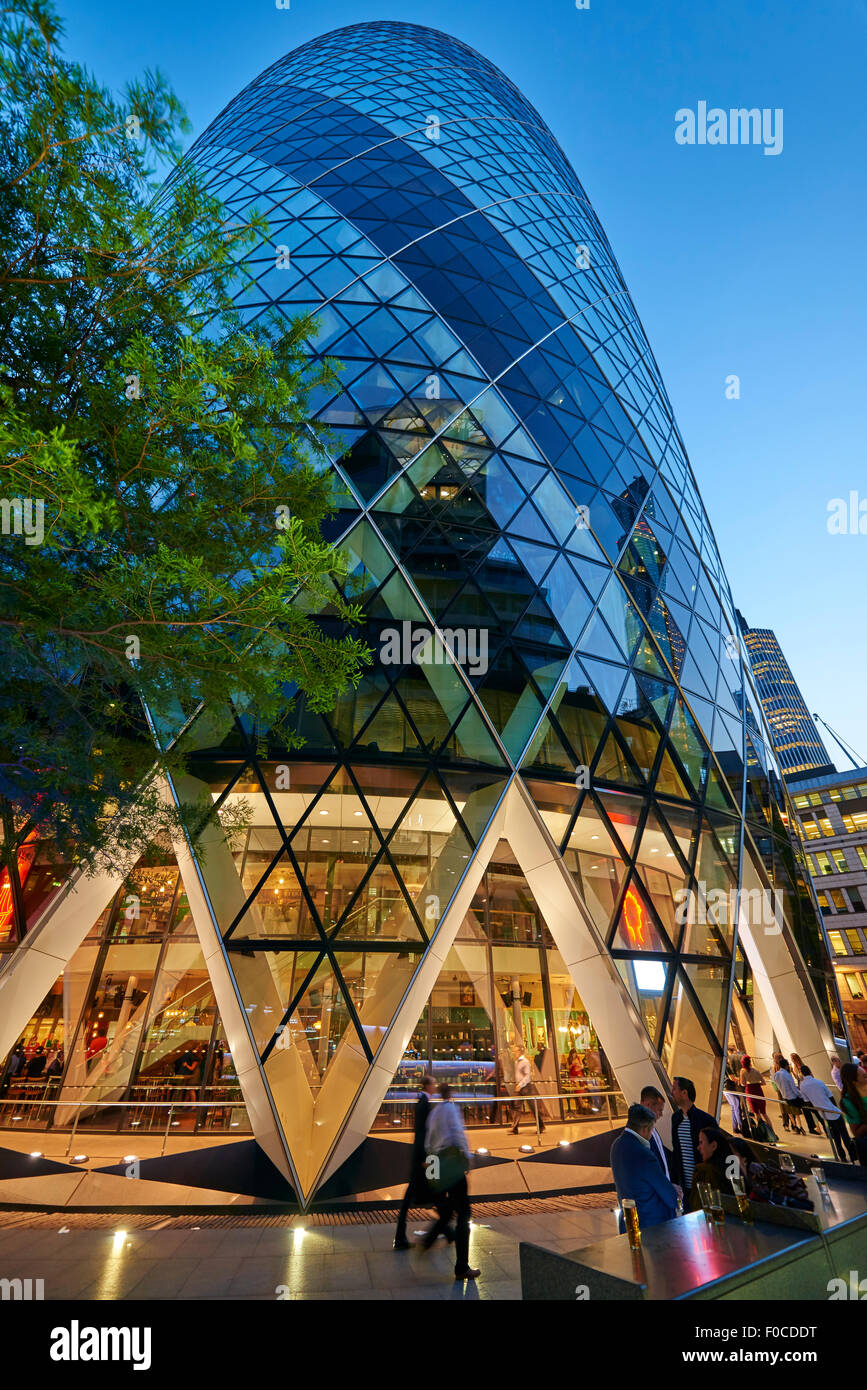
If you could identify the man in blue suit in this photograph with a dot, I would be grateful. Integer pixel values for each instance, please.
(637, 1172)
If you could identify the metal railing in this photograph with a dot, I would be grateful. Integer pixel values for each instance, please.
(480, 1111)
(790, 1114)
(131, 1115)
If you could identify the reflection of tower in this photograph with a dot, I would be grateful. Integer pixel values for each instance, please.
(627, 506)
(641, 568)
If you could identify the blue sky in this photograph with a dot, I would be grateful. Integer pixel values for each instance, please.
(739, 263)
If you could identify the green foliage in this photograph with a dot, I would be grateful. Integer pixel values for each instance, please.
(169, 447)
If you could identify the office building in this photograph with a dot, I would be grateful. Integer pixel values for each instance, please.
(486, 846)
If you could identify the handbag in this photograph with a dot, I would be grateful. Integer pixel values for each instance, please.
(453, 1165)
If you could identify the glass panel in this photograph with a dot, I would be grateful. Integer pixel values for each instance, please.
(687, 1051)
(430, 852)
(512, 912)
(106, 1042)
(596, 865)
(636, 929)
(279, 908)
(647, 982)
(179, 1027)
(574, 1062)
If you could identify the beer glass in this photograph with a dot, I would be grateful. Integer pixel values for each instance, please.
(704, 1196)
(745, 1211)
(630, 1217)
(716, 1210)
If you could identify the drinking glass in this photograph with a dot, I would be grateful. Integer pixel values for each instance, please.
(630, 1217)
(705, 1194)
(745, 1211)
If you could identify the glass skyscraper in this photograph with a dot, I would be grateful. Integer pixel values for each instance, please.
(526, 828)
(797, 741)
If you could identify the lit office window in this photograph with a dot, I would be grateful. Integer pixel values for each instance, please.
(856, 945)
(840, 861)
(837, 944)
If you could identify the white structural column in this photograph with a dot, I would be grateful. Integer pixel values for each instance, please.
(603, 993)
(48, 947)
(220, 883)
(790, 1004)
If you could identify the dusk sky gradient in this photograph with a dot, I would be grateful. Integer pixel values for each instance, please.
(738, 262)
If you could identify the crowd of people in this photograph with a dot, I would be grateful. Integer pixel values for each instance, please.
(662, 1182)
(804, 1099)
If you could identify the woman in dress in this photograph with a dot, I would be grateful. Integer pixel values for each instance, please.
(853, 1103)
(751, 1082)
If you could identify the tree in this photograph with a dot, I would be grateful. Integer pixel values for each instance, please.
(161, 496)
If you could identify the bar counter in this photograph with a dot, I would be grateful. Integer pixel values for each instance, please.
(793, 1254)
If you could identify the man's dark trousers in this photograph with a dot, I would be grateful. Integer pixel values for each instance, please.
(417, 1190)
(454, 1203)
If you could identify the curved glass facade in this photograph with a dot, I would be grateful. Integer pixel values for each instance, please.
(548, 613)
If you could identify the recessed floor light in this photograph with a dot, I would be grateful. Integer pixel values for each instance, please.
(526, 1148)
(482, 1151)
(565, 1143)
(79, 1158)
(36, 1153)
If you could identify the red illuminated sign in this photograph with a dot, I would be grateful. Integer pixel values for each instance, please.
(633, 916)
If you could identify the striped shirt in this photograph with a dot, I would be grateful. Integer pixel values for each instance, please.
(687, 1151)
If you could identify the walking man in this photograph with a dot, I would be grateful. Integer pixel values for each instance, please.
(524, 1089)
(449, 1154)
(417, 1188)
